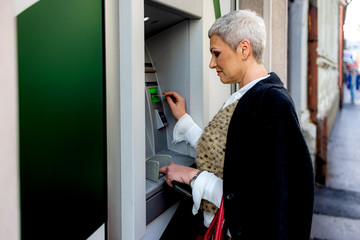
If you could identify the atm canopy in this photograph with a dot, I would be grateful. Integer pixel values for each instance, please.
(161, 15)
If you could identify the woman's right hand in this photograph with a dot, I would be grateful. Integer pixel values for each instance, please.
(176, 103)
(178, 173)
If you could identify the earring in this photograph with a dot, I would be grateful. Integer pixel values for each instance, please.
(244, 56)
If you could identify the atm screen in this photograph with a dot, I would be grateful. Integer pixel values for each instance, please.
(155, 97)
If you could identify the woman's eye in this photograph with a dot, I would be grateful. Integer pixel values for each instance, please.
(216, 54)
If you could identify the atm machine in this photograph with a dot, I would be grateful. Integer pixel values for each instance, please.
(167, 68)
(158, 153)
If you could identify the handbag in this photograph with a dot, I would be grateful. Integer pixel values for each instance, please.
(216, 230)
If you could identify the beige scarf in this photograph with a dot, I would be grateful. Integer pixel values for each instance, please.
(211, 148)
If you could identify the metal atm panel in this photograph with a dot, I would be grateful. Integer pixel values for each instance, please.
(155, 118)
(157, 138)
(167, 68)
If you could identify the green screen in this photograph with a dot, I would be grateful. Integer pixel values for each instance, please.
(154, 95)
(62, 123)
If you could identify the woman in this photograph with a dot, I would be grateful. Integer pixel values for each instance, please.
(252, 153)
(353, 84)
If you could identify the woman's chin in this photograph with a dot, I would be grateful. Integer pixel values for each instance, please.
(225, 81)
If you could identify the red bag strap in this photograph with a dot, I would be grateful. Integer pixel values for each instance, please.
(216, 224)
(219, 233)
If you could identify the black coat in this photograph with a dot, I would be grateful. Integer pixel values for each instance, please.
(268, 175)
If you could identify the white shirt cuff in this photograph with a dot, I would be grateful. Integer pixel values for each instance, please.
(187, 130)
(208, 217)
(206, 186)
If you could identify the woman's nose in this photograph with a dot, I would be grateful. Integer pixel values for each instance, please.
(212, 63)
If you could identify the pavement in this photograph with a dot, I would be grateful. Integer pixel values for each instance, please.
(337, 204)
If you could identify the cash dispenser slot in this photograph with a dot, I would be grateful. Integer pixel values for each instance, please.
(154, 163)
(158, 196)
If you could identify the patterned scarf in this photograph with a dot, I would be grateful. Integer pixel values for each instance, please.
(211, 148)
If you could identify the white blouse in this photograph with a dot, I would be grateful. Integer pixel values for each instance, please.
(206, 186)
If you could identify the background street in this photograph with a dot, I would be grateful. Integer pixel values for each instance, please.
(337, 205)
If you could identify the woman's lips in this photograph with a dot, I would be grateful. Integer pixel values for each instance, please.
(219, 72)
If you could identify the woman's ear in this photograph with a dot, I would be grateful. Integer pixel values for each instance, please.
(243, 48)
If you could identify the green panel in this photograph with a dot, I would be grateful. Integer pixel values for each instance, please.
(217, 8)
(62, 123)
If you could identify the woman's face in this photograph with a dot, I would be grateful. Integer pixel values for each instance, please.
(228, 64)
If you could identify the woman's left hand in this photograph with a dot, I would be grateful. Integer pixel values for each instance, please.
(178, 173)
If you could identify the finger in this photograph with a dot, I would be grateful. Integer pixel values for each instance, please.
(173, 94)
(170, 101)
(169, 182)
(172, 97)
(168, 179)
(163, 169)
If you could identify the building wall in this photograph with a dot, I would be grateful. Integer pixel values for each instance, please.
(328, 49)
(274, 13)
(297, 68)
(255, 5)
(297, 58)
(9, 167)
(279, 11)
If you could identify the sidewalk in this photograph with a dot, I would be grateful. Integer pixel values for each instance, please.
(337, 205)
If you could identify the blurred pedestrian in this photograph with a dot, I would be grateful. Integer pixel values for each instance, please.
(352, 81)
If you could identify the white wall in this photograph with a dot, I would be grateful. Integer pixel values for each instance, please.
(132, 119)
(22, 5)
(9, 160)
(215, 92)
(125, 118)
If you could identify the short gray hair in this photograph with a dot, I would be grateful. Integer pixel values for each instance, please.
(238, 25)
